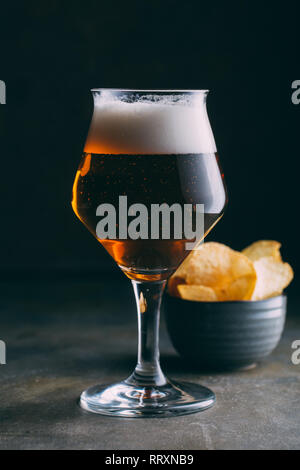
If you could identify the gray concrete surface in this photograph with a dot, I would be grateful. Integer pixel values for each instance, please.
(64, 336)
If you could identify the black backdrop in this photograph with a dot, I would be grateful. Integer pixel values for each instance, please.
(53, 52)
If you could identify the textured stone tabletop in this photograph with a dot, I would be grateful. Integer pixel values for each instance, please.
(64, 336)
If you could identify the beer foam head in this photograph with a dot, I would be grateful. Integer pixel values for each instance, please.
(151, 124)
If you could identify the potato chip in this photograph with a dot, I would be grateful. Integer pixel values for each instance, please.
(179, 277)
(216, 272)
(229, 273)
(272, 277)
(233, 290)
(173, 283)
(262, 249)
(197, 293)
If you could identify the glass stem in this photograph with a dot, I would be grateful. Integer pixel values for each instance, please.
(148, 297)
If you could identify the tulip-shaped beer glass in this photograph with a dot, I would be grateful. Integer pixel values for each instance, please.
(149, 165)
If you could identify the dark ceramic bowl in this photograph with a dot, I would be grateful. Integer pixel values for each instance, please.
(222, 335)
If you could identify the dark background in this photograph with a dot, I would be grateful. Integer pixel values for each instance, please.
(53, 52)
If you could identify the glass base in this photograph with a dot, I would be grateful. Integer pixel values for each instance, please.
(132, 401)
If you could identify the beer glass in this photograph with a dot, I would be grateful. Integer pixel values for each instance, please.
(148, 152)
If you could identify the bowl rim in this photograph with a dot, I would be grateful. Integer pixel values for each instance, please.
(228, 302)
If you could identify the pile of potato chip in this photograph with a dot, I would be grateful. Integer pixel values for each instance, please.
(215, 272)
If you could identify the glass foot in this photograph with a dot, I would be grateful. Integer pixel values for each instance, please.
(132, 401)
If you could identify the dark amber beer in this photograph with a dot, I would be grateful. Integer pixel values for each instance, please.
(148, 179)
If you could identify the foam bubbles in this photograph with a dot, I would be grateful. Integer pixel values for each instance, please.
(165, 126)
